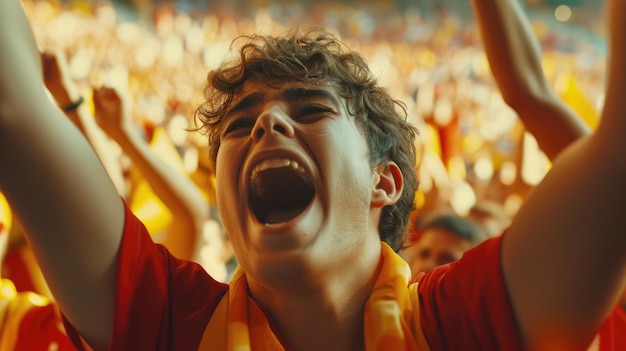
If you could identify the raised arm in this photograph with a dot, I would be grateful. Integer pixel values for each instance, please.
(514, 55)
(56, 185)
(66, 94)
(564, 256)
(177, 191)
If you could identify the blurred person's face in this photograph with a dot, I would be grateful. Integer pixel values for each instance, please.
(294, 182)
(435, 247)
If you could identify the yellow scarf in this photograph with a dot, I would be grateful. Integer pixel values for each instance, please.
(391, 321)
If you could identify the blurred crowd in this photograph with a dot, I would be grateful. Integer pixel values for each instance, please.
(130, 76)
(476, 158)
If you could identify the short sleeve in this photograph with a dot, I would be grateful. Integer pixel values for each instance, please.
(162, 303)
(465, 305)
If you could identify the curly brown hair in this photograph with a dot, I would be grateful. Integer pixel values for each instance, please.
(316, 56)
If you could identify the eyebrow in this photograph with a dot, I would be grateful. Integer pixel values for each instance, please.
(303, 93)
(247, 102)
(290, 94)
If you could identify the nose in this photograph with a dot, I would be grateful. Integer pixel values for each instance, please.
(272, 121)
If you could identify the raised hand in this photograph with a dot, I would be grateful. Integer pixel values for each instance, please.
(59, 83)
(177, 191)
(112, 112)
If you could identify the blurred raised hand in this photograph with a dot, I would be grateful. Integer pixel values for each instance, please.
(66, 93)
(176, 190)
(60, 84)
(112, 112)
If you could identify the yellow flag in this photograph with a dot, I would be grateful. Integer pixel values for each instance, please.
(574, 97)
(145, 204)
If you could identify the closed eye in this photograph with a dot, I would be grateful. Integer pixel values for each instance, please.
(239, 127)
(312, 112)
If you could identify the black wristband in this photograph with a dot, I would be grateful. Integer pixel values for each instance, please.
(73, 106)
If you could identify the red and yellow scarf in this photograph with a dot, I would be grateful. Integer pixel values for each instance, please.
(391, 320)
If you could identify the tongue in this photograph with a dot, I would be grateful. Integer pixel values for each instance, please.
(280, 216)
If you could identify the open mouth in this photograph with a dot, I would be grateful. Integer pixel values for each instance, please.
(280, 190)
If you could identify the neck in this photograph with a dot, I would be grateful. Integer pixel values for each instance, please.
(333, 302)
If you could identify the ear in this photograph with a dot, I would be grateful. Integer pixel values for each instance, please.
(388, 184)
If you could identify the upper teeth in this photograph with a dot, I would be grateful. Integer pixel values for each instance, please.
(276, 163)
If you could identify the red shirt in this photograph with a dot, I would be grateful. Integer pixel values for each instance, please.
(42, 329)
(464, 305)
(164, 303)
(612, 334)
